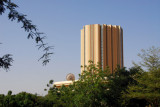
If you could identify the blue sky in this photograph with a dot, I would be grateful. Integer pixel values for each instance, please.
(61, 21)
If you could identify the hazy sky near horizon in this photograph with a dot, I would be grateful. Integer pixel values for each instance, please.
(61, 21)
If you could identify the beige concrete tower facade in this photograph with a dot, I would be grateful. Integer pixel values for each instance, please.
(103, 44)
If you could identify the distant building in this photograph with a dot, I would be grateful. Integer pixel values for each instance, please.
(103, 44)
(100, 43)
(65, 83)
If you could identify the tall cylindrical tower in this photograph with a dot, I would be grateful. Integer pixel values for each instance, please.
(103, 44)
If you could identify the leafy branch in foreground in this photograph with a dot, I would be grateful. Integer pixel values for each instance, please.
(27, 25)
(5, 61)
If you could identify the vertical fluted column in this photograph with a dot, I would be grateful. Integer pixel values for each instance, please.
(97, 44)
(109, 47)
(82, 50)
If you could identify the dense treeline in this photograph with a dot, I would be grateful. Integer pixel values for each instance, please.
(131, 88)
(135, 87)
(23, 99)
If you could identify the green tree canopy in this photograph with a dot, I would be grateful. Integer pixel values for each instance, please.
(95, 88)
(150, 58)
(147, 85)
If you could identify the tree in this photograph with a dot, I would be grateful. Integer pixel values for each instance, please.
(92, 86)
(23, 99)
(33, 33)
(95, 88)
(150, 58)
(147, 88)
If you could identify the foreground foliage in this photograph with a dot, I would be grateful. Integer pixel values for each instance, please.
(94, 88)
(31, 29)
(124, 88)
(147, 88)
(23, 99)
